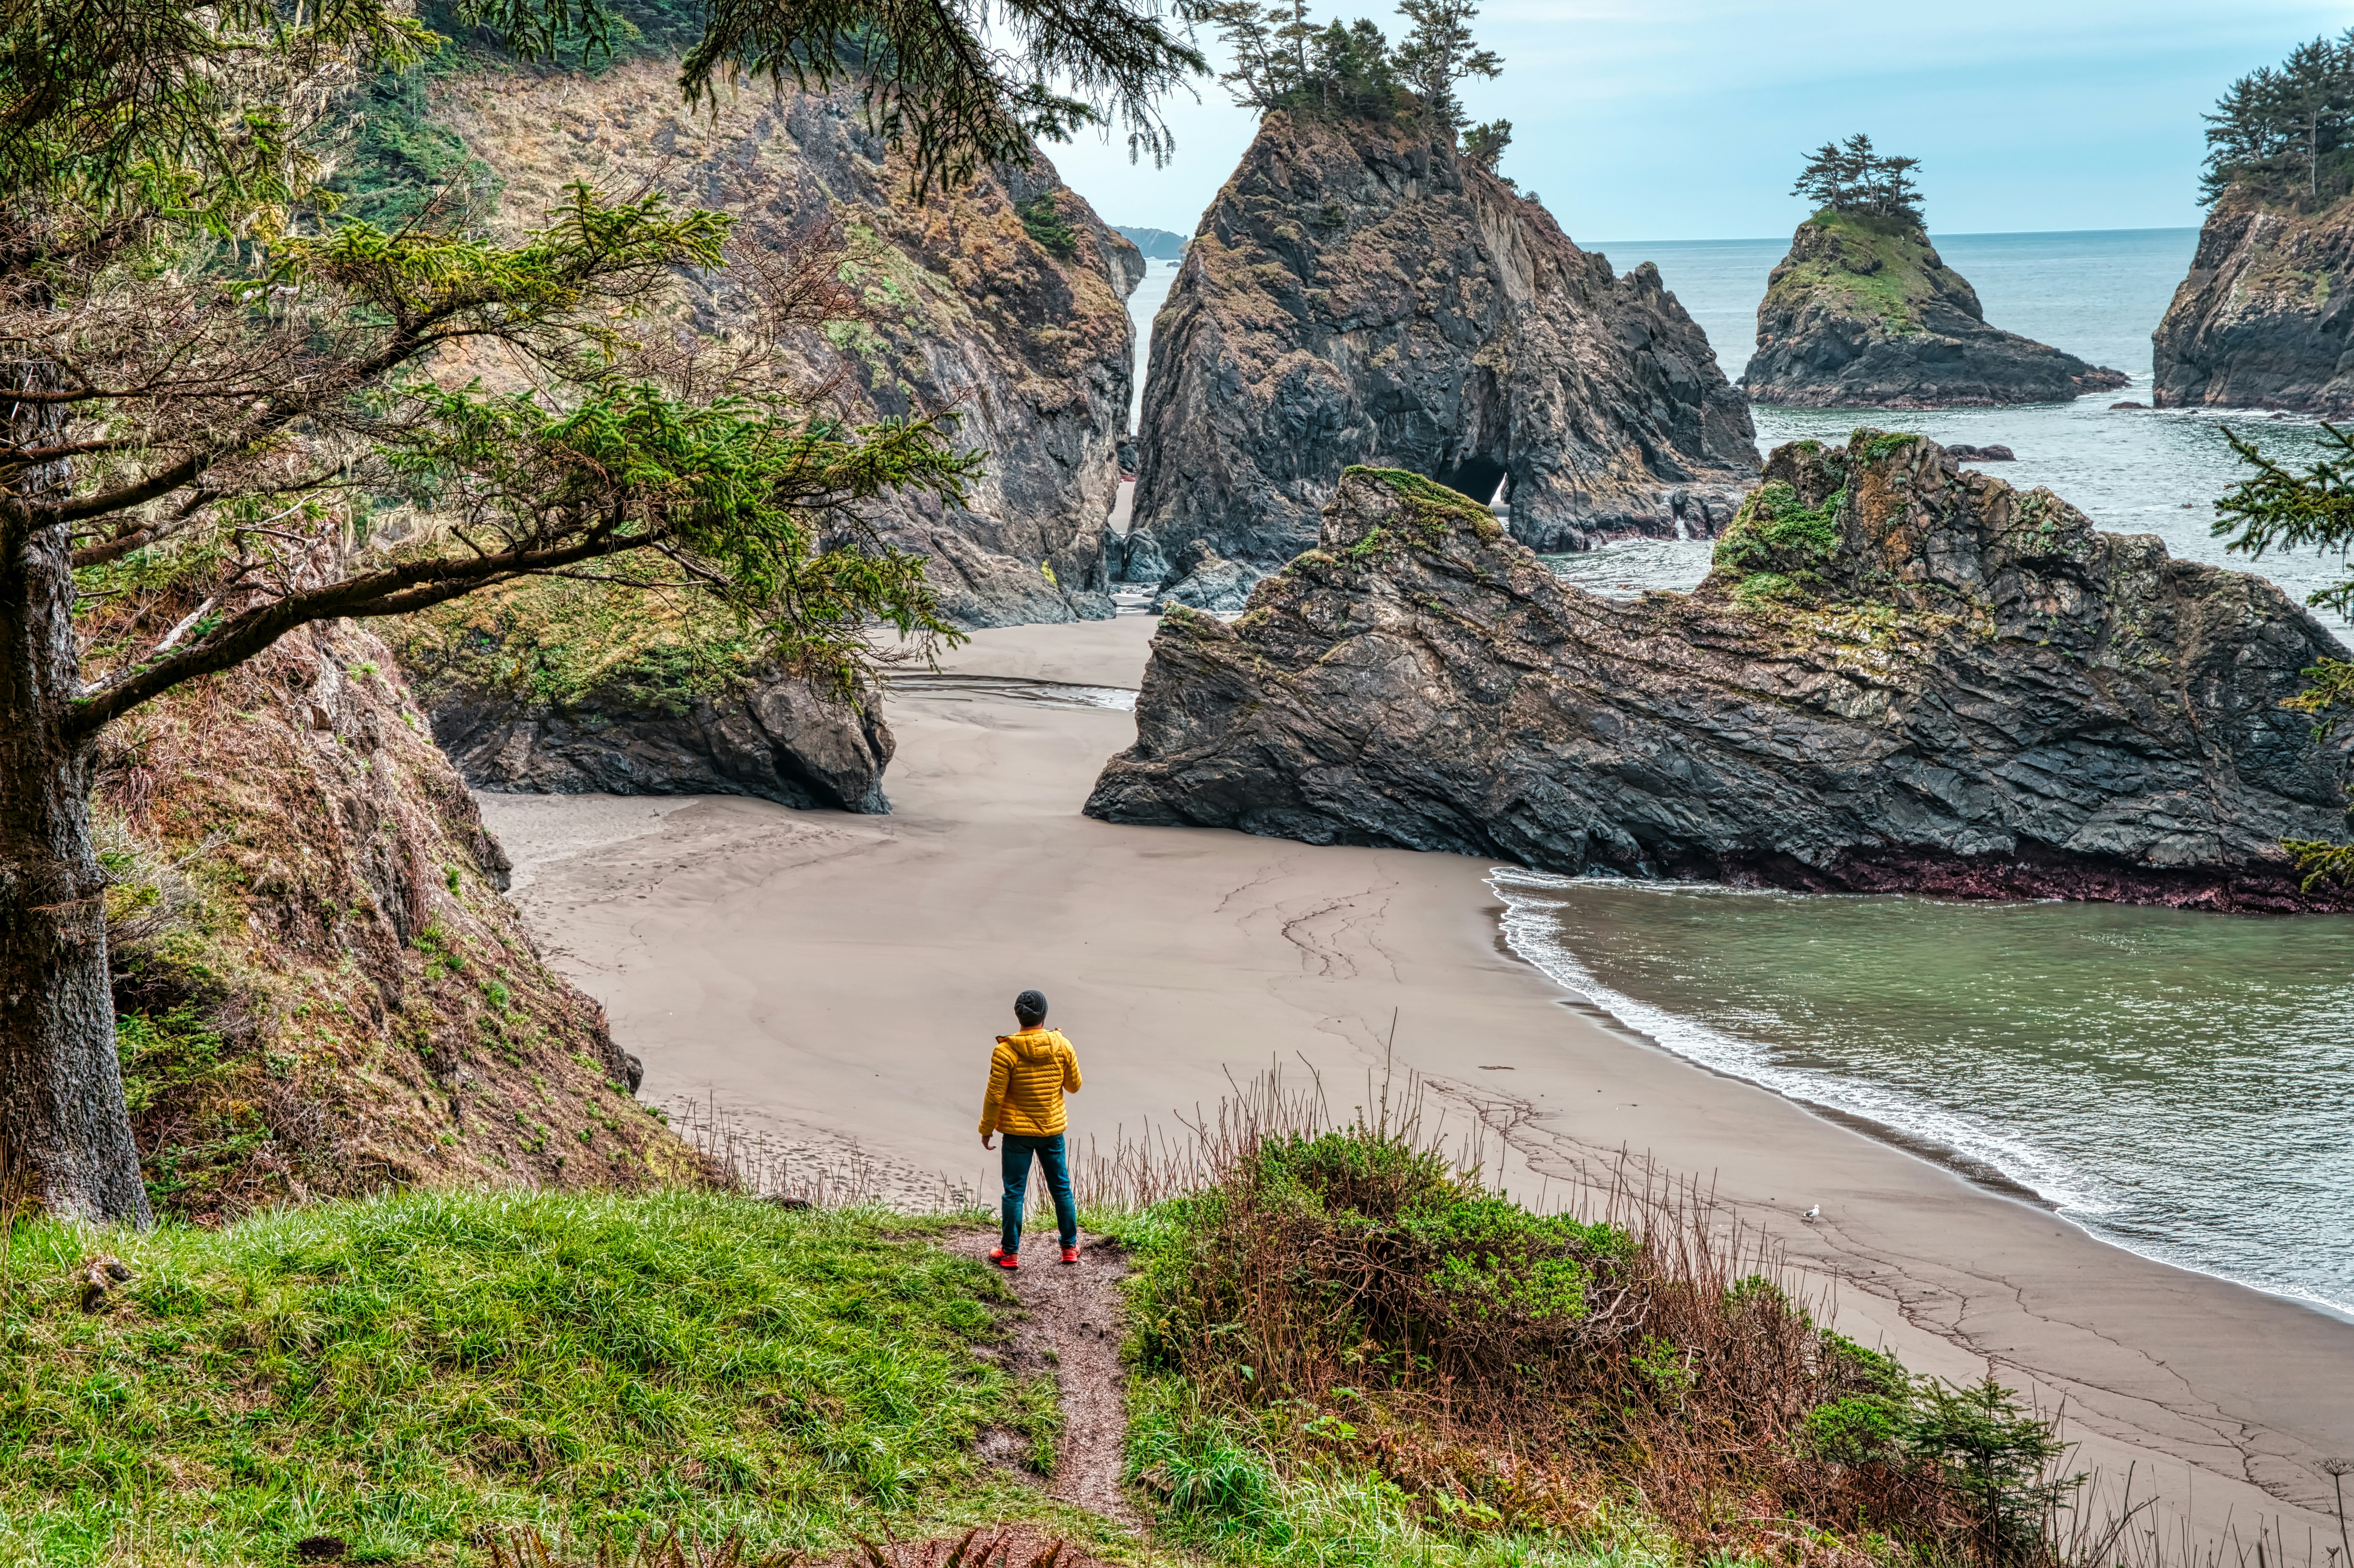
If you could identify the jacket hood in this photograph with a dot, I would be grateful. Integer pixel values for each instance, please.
(1034, 1045)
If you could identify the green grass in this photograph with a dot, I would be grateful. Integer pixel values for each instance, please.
(409, 1373)
(1224, 1493)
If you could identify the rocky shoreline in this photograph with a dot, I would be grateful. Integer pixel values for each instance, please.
(1899, 676)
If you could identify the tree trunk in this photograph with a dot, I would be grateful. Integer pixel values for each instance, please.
(64, 1130)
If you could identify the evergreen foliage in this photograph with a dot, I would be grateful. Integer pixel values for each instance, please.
(1849, 176)
(2278, 508)
(2286, 133)
(1437, 52)
(1042, 220)
(961, 84)
(1484, 145)
(1283, 60)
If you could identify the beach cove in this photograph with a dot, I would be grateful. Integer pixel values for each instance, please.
(834, 980)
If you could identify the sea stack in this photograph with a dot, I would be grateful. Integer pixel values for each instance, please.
(1864, 314)
(1359, 293)
(2265, 317)
(1900, 675)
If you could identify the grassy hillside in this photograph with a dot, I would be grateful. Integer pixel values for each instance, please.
(1342, 1352)
(407, 1373)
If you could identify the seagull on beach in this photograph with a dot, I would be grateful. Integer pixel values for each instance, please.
(1811, 1215)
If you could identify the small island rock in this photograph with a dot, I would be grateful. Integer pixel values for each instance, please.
(1863, 313)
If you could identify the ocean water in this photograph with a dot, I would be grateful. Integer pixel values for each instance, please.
(1142, 306)
(2098, 295)
(2180, 1084)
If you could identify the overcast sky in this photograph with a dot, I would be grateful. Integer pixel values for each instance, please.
(1688, 118)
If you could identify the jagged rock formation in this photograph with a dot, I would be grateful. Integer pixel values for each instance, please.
(1863, 313)
(2265, 317)
(1900, 675)
(1357, 294)
(966, 306)
(563, 688)
(320, 991)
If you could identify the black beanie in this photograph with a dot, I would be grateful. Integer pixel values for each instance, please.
(1030, 1007)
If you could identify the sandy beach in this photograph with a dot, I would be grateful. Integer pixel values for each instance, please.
(835, 981)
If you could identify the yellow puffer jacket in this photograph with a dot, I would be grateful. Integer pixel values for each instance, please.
(1029, 1074)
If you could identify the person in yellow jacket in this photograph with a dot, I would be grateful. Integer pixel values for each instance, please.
(1029, 1073)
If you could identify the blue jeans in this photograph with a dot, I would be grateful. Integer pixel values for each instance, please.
(1016, 1166)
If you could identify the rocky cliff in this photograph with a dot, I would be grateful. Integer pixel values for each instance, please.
(1900, 675)
(563, 688)
(1863, 313)
(320, 991)
(1356, 294)
(1005, 300)
(2263, 319)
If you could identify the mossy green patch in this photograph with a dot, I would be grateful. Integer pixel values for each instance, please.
(411, 1373)
(1879, 264)
(1764, 587)
(1431, 507)
(1775, 531)
(566, 644)
(1883, 445)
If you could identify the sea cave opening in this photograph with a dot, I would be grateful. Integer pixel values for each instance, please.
(1476, 477)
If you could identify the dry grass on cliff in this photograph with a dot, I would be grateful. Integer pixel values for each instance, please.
(321, 992)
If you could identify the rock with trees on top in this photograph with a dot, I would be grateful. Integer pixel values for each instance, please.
(1361, 291)
(1863, 313)
(2262, 319)
(1900, 675)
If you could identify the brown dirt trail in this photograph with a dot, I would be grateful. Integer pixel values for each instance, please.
(1071, 1322)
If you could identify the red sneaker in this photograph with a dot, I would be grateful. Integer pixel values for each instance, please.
(1004, 1260)
(1070, 1254)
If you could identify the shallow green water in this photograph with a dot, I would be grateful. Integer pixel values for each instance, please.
(2181, 1083)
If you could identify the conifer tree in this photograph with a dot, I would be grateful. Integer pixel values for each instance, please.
(205, 379)
(2281, 508)
(2286, 133)
(1438, 52)
(1483, 145)
(1849, 176)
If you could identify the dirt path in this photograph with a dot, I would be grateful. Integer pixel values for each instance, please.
(1071, 1324)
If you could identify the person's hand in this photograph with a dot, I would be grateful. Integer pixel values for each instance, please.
(984, 1140)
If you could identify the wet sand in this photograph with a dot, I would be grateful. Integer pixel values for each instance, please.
(836, 980)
